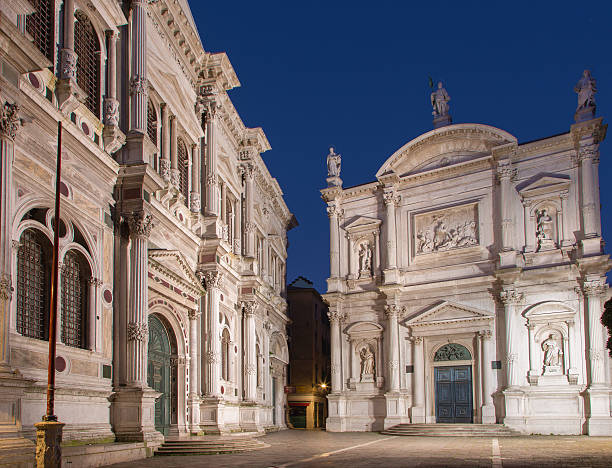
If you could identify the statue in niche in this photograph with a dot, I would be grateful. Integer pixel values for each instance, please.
(367, 362)
(333, 163)
(439, 101)
(586, 89)
(544, 229)
(552, 352)
(365, 260)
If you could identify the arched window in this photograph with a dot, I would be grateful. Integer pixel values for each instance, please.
(33, 284)
(41, 26)
(225, 355)
(152, 122)
(452, 352)
(75, 273)
(87, 48)
(183, 167)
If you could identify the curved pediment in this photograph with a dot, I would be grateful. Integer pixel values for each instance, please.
(549, 311)
(445, 313)
(364, 329)
(444, 146)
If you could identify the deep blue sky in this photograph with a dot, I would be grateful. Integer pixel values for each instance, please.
(355, 75)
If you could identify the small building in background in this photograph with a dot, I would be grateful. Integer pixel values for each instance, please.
(309, 355)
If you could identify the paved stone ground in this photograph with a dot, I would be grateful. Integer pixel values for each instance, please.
(298, 448)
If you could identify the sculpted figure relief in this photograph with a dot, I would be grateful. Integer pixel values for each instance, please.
(552, 352)
(463, 234)
(367, 362)
(586, 89)
(439, 101)
(333, 163)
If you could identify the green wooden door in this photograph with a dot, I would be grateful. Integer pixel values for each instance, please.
(159, 372)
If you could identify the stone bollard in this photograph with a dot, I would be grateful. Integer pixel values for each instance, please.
(48, 444)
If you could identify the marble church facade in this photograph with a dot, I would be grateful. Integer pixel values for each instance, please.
(467, 284)
(173, 233)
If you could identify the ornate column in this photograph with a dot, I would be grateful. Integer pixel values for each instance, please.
(534, 373)
(194, 398)
(392, 311)
(174, 171)
(505, 175)
(588, 156)
(9, 125)
(194, 196)
(572, 373)
(164, 162)
(391, 200)
(111, 104)
(92, 313)
(68, 57)
(418, 383)
(139, 86)
(488, 408)
(335, 316)
(529, 226)
(511, 298)
(249, 175)
(566, 235)
(212, 182)
(140, 224)
(593, 291)
(213, 353)
(250, 375)
(334, 212)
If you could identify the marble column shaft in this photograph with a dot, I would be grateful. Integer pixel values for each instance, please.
(593, 291)
(194, 403)
(111, 104)
(392, 312)
(174, 171)
(139, 86)
(67, 54)
(511, 298)
(213, 353)
(140, 224)
(505, 173)
(419, 373)
(485, 347)
(391, 200)
(334, 240)
(212, 197)
(194, 202)
(336, 361)
(250, 354)
(590, 202)
(164, 162)
(9, 125)
(250, 198)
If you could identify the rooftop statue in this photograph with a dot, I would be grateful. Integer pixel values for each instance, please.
(439, 101)
(586, 89)
(334, 161)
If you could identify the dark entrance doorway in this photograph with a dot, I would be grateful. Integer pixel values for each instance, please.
(453, 394)
(159, 372)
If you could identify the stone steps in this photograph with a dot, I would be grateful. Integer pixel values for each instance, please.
(208, 446)
(451, 430)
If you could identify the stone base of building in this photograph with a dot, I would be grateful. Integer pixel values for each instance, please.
(355, 413)
(397, 410)
(598, 421)
(487, 414)
(86, 456)
(133, 417)
(252, 418)
(548, 410)
(17, 452)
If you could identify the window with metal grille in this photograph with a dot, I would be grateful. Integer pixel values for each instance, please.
(183, 167)
(33, 284)
(74, 300)
(152, 123)
(87, 48)
(41, 26)
(225, 355)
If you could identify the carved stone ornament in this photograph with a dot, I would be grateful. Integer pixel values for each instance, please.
(335, 316)
(505, 171)
(68, 60)
(545, 229)
(251, 369)
(175, 177)
(365, 260)
(589, 152)
(449, 229)
(511, 358)
(9, 121)
(334, 210)
(390, 198)
(393, 311)
(335, 369)
(164, 169)
(194, 202)
(111, 112)
(595, 288)
(139, 85)
(6, 290)
(211, 180)
(137, 331)
(249, 307)
(596, 354)
(249, 227)
(193, 314)
(212, 357)
(367, 358)
(552, 352)
(140, 224)
(511, 296)
(452, 352)
(212, 279)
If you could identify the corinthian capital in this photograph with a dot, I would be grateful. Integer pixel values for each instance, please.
(335, 316)
(140, 224)
(6, 290)
(589, 152)
(594, 288)
(334, 210)
(249, 307)
(390, 198)
(9, 121)
(511, 296)
(211, 279)
(393, 311)
(505, 171)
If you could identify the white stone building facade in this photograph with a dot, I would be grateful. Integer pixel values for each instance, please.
(467, 285)
(173, 234)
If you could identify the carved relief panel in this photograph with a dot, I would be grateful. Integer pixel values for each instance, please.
(447, 229)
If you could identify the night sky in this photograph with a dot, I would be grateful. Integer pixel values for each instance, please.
(355, 76)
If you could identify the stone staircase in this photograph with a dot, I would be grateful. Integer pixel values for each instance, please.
(208, 445)
(451, 430)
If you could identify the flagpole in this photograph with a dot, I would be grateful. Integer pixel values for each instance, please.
(49, 431)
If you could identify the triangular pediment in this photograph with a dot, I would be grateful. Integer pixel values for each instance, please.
(544, 184)
(445, 312)
(173, 264)
(362, 222)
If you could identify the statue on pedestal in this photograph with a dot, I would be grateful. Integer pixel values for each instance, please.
(552, 353)
(334, 162)
(544, 230)
(367, 363)
(586, 89)
(365, 260)
(439, 101)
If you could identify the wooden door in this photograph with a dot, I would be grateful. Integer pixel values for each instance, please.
(454, 402)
